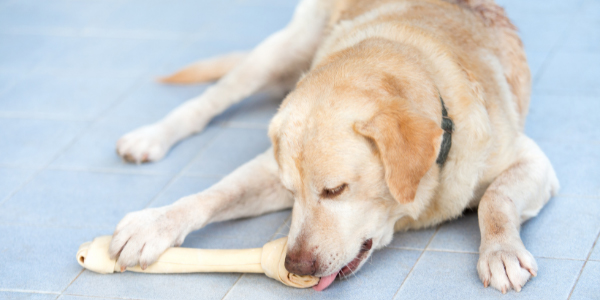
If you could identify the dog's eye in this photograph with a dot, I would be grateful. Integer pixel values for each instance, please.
(331, 193)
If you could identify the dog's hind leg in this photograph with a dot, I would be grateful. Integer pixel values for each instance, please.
(516, 195)
(278, 61)
(253, 189)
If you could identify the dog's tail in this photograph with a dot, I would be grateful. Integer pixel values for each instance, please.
(206, 70)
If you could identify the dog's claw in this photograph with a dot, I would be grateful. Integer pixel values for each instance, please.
(532, 272)
(486, 284)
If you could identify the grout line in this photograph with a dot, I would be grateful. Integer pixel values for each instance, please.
(120, 98)
(477, 253)
(280, 227)
(406, 248)
(68, 73)
(90, 32)
(559, 258)
(57, 226)
(60, 152)
(28, 291)
(416, 262)
(42, 116)
(101, 297)
(110, 171)
(451, 251)
(80, 272)
(231, 288)
(583, 267)
(575, 196)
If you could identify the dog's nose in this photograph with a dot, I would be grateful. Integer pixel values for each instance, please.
(300, 263)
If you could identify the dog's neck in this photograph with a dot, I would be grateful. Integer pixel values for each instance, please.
(448, 127)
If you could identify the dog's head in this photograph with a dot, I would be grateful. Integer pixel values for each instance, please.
(353, 143)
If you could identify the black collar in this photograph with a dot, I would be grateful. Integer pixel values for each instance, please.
(448, 127)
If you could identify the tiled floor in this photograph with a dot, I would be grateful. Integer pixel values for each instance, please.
(77, 74)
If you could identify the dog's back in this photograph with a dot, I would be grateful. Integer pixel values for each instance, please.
(468, 28)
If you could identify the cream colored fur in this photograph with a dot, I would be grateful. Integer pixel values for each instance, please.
(355, 142)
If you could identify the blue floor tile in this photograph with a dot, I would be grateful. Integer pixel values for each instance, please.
(284, 230)
(151, 101)
(442, 275)
(181, 187)
(549, 120)
(584, 34)
(183, 16)
(97, 150)
(587, 287)
(7, 80)
(11, 179)
(541, 32)
(31, 14)
(540, 6)
(251, 23)
(231, 149)
(596, 253)
(21, 53)
(536, 60)
(565, 228)
(459, 235)
(571, 73)
(379, 278)
(577, 166)
(413, 239)
(73, 297)
(100, 199)
(108, 57)
(62, 97)
(40, 259)
(34, 142)
(26, 296)
(153, 286)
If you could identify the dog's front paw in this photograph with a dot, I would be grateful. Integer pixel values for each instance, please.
(505, 266)
(148, 143)
(141, 237)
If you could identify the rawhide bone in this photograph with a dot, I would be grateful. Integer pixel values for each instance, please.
(269, 260)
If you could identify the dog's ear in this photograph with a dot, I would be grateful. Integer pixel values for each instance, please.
(407, 145)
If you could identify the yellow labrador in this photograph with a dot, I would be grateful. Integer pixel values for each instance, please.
(402, 114)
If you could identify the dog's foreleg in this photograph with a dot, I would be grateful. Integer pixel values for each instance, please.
(515, 196)
(279, 60)
(251, 190)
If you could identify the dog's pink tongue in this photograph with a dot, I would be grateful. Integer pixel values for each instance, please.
(324, 282)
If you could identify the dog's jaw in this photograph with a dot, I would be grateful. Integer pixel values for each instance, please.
(354, 265)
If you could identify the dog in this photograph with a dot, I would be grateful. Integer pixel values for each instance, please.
(401, 114)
